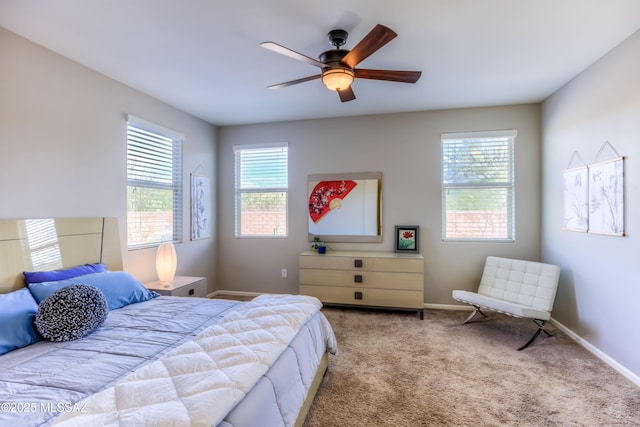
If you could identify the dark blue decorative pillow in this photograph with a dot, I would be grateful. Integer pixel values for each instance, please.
(71, 313)
(67, 273)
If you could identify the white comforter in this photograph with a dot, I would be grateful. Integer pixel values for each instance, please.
(199, 382)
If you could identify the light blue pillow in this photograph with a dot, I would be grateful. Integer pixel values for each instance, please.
(119, 287)
(17, 314)
(67, 273)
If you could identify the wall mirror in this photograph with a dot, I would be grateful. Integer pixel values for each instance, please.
(345, 207)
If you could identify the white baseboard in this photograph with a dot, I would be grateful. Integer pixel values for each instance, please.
(598, 353)
(571, 334)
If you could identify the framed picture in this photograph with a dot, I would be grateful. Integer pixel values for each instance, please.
(200, 207)
(576, 199)
(407, 238)
(606, 197)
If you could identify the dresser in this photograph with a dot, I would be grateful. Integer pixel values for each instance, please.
(366, 279)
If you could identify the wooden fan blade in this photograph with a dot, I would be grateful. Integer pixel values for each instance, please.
(294, 82)
(275, 47)
(346, 94)
(378, 37)
(389, 75)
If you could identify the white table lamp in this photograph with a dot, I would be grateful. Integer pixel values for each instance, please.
(166, 263)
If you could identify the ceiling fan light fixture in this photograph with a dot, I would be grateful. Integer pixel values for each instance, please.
(338, 66)
(337, 78)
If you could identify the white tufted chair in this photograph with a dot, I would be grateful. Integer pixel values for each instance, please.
(517, 288)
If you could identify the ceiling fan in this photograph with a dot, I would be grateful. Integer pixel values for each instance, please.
(338, 65)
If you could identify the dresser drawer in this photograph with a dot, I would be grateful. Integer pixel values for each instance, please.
(363, 279)
(365, 296)
(392, 264)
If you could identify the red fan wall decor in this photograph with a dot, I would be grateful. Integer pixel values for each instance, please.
(327, 195)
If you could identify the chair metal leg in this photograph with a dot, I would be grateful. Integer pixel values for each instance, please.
(471, 316)
(541, 328)
(540, 323)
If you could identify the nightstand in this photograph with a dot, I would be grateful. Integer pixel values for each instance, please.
(181, 286)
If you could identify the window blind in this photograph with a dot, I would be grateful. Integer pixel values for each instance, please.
(154, 185)
(261, 188)
(478, 186)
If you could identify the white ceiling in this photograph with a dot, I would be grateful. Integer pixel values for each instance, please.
(203, 56)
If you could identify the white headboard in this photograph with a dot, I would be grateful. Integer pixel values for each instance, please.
(54, 243)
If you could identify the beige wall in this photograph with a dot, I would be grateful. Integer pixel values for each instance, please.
(63, 147)
(600, 281)
(406, 149)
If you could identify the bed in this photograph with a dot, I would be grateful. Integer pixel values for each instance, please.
(153, 360)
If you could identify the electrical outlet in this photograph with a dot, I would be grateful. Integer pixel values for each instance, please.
(283, 273)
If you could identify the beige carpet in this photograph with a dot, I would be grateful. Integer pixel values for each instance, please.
(395, 370)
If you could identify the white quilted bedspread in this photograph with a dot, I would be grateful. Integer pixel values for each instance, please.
(199, 382)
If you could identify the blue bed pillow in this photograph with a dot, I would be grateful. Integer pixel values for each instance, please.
(67, 273)
(17, 313)
(71, 313)
(119, 287)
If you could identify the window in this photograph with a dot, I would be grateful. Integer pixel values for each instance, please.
(478, 186)
(154, 184)
(262, 184)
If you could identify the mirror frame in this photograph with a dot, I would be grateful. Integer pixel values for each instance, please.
(348, 238)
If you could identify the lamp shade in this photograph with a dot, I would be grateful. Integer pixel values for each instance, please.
(337, 78)
(166, 262)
